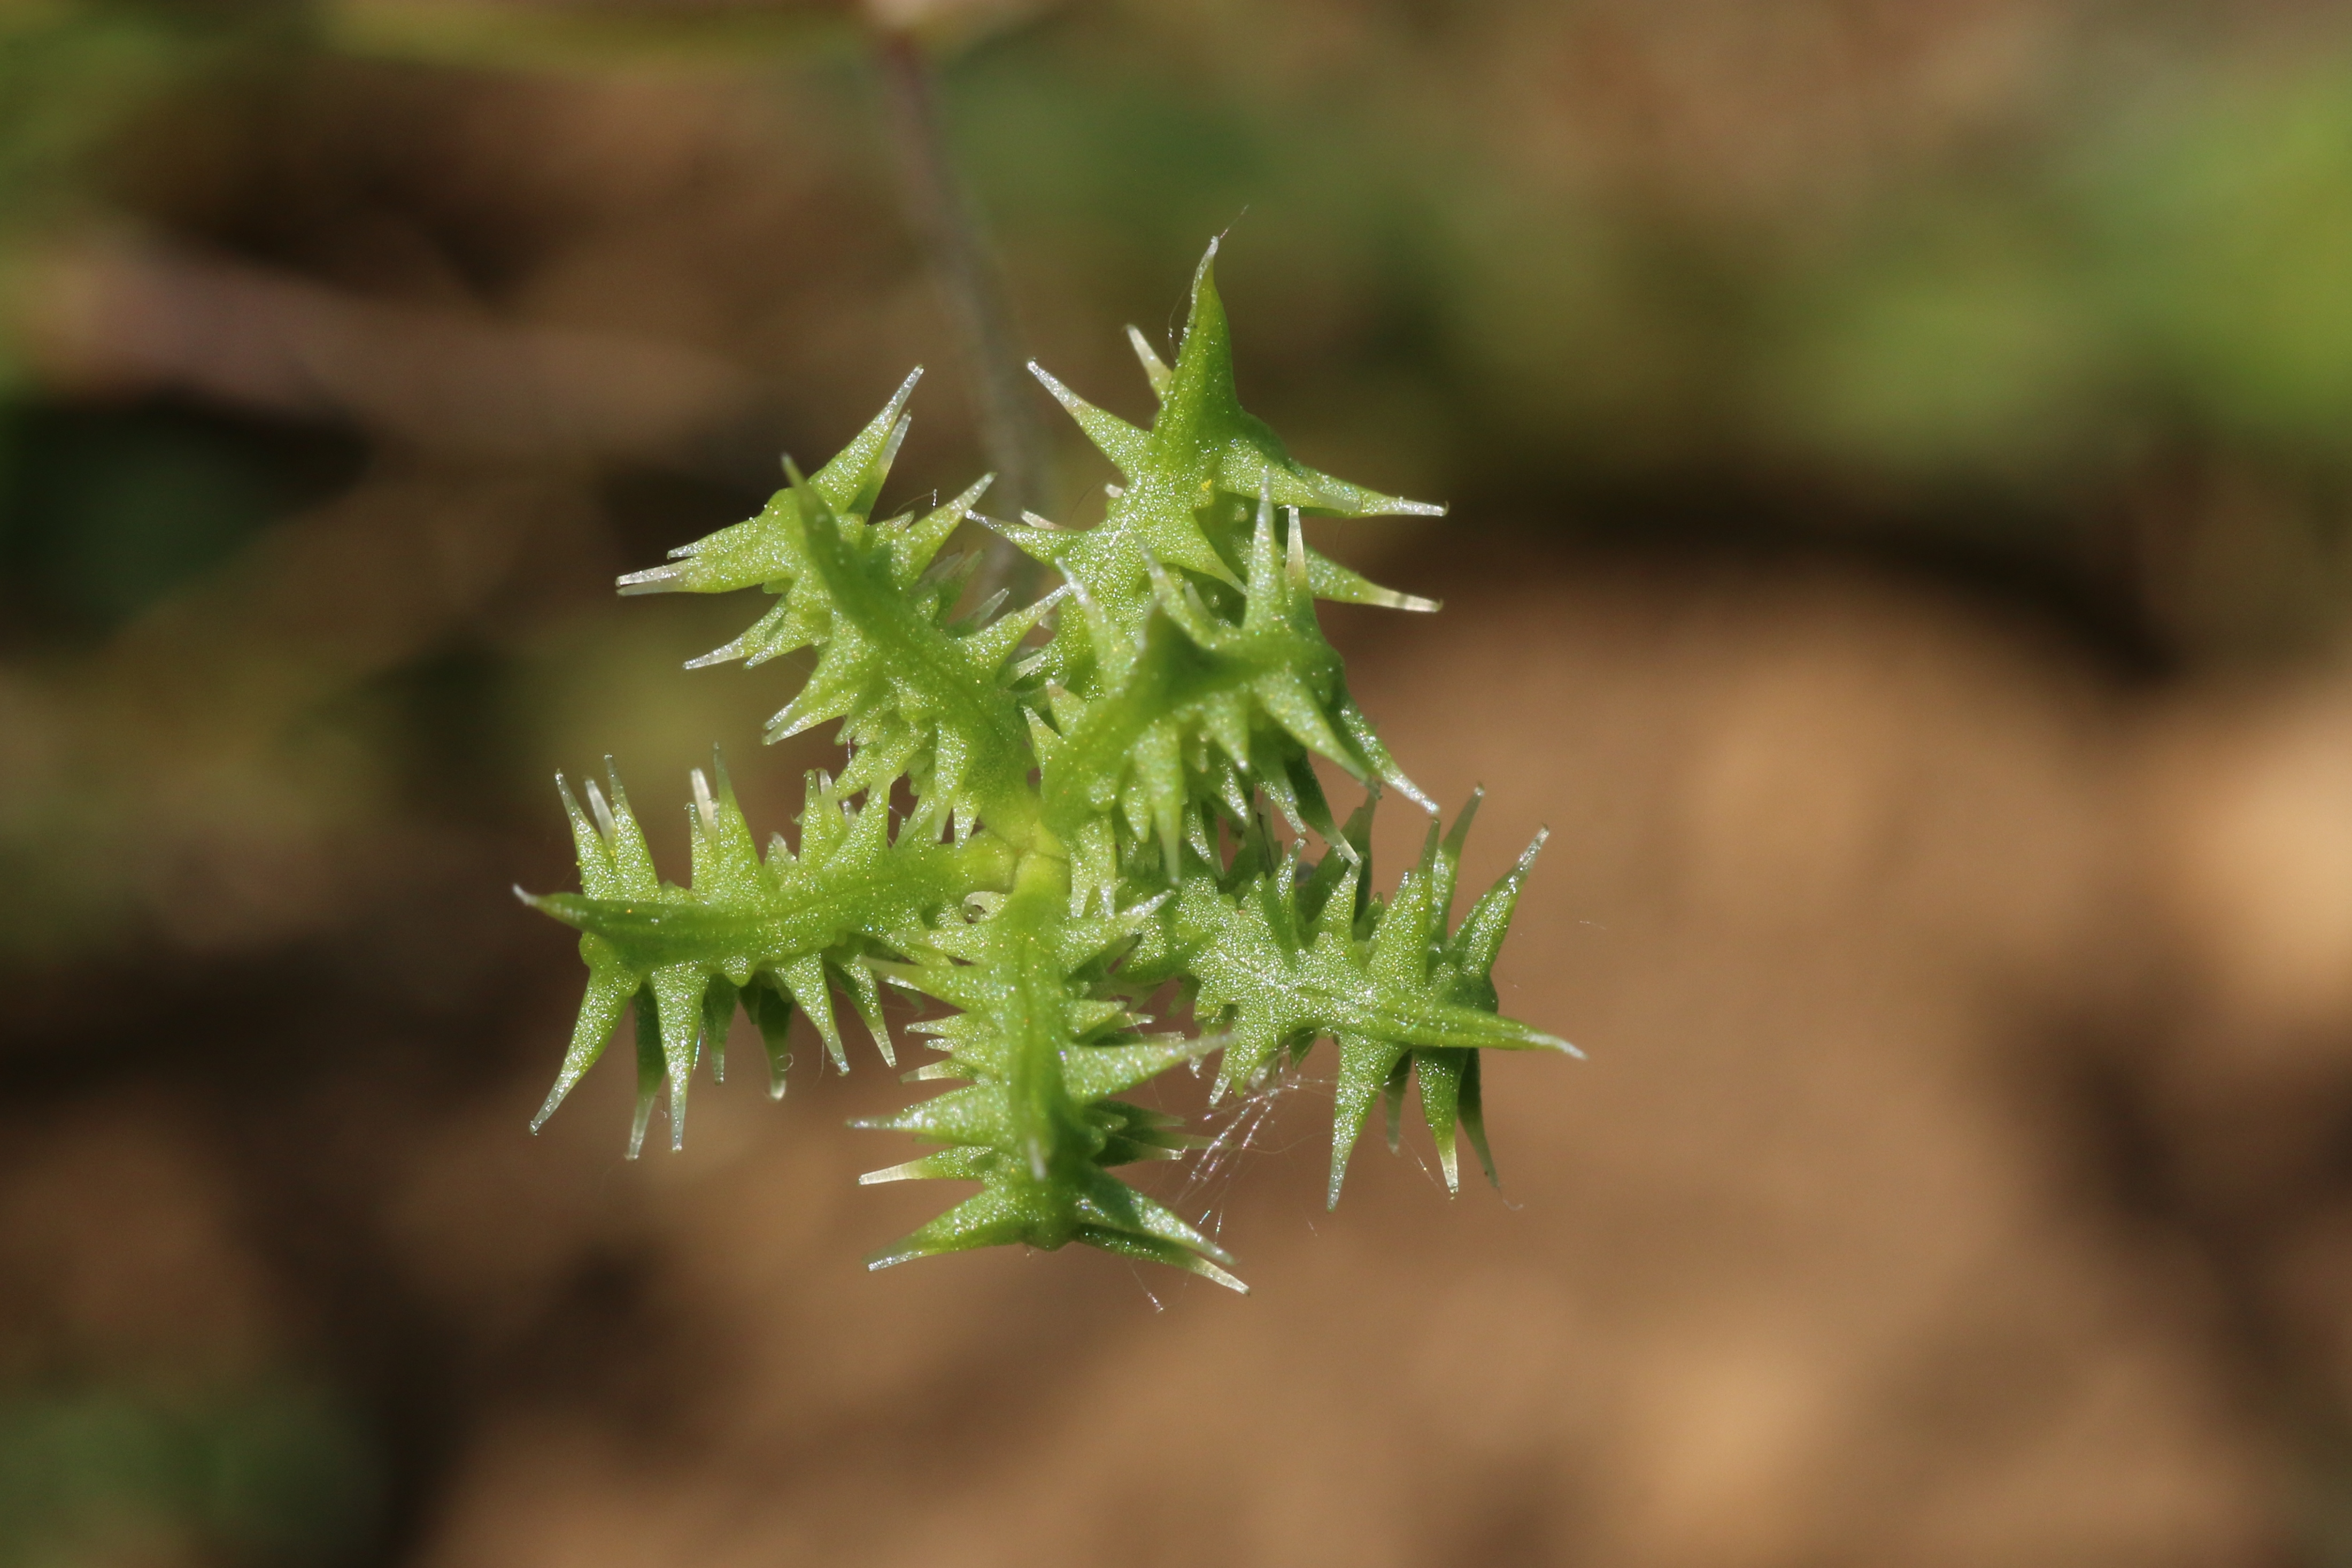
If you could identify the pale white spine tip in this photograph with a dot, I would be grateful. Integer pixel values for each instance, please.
(653, 580)
(1061, 394)
(1411, 792)
(1209, 1270)
(905, 390)
(1155, 368)
(704, 806)
(898, 439)
(603, 812)
(555, 1095)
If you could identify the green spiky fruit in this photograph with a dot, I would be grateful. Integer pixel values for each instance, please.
(1091, 779)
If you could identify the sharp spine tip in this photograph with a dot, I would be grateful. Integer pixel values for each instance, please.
(905, 390)
(1047, 379)
(653, 580)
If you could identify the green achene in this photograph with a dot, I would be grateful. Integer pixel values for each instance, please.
(1092, 822)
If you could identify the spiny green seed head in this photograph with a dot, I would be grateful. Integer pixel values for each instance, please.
(1093, 780)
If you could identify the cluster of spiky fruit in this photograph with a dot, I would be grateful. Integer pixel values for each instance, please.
(1090, 779)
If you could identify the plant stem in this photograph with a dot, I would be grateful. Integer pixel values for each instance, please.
(973, 288)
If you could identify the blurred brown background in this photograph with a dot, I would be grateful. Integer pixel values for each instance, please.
(1900, 453)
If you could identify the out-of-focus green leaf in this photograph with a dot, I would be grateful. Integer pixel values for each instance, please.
(109, 1475)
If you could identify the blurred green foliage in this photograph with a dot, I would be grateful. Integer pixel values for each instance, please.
(69, 74)
(76, 75)
(102, 511)
(2223, 235)
(250, 1476)
(2151, 256)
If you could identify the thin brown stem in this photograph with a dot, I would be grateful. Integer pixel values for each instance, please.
(971, 286)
